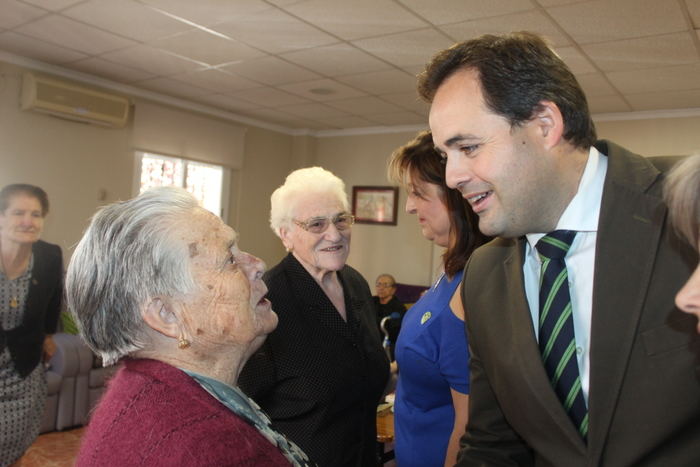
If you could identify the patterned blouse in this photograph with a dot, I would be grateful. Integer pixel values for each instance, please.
(246, 408)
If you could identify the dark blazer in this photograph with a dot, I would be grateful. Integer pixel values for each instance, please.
(317, 377)
(43, 306)
(644, 395)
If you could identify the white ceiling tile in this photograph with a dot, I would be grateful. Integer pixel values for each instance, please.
(336, 59)
(381, 82)
(409, 101)
(172, 87)
(694, 10)
(414, 70)
(100, 67)
(452, 11)
(313, 111)
(273, 116)
(665, 100)
(284, 2)
(208, 12)
(607, 104)
(365, 105)
(534, 21)
(399, 118)
(274, 31)
(595, 84)
(204, 47)
(53, 5)
(74, 35)
(269, 97)
(321, 90)
(156, 61)
(217, 81)
(677, 78)
(609, 20)
(406, 48)
(358, 18)
(311, 124)
(350, 121)
(578, 63)
(559, 2)
(127, 18)
(37, 49)
(271, 70)
(15, 13)
(223, 101)
(645, 52)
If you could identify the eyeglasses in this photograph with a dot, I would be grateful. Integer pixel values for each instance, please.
(383, 285)
(319, 225)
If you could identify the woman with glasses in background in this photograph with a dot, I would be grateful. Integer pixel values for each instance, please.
(321, 373)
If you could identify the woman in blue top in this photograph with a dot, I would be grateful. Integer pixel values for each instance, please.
(432, 394)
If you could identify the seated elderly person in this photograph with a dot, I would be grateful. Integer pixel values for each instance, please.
(390, 311)
(161, 283)
(682, 192)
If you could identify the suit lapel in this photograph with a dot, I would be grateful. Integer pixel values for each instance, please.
(527, 349)
(619, 291)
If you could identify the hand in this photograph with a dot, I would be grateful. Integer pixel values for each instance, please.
(49, 348)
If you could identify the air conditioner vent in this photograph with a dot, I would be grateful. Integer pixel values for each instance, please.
(73, 101)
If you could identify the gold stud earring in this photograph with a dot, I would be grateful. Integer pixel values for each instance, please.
(182, 343)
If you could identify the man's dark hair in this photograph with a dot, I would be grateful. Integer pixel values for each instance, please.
(516, 71)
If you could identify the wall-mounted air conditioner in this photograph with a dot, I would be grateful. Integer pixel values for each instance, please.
(73, 101)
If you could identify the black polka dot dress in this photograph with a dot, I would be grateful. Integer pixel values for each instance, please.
(21, 399)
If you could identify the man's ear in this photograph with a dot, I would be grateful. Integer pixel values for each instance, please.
(160, 317)
(548, 123)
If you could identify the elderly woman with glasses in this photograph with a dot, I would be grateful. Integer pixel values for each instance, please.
(161, 284)
(321, 374)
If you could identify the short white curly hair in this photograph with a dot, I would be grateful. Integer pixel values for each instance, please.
(300, 183)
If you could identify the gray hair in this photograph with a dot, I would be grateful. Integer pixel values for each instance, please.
(311, 180)
(682, 193)
(128, 255)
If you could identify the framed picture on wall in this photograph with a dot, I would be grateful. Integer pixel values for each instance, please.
(375, 204)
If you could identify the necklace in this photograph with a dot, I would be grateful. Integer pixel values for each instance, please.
(14, 298)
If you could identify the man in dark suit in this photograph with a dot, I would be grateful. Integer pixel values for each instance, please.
(580, 358)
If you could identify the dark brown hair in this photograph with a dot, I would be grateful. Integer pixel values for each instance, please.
(517, 71)
(9, 191)
(418, 160)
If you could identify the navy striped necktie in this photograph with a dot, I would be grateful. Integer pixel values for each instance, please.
(556, 336)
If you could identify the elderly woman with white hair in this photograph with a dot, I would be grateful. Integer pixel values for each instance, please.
(322, 372)
(161, 284)
(682, 193)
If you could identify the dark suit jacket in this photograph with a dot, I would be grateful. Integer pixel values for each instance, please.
(43, 306)
(319, 378)
(644, 396)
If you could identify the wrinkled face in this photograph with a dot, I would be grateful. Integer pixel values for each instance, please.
(22, 221)
(323, 252)
(385, 287)
(501, 171)
(688, 298)
(425, 201)
(229, 306)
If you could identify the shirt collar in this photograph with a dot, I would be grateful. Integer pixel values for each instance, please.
(583, 211)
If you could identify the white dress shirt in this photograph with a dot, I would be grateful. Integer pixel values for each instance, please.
(580, 215)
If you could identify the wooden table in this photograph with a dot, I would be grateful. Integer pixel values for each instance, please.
(385, 434)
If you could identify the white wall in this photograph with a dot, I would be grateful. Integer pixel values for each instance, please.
(399, 250)
(83, 166)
